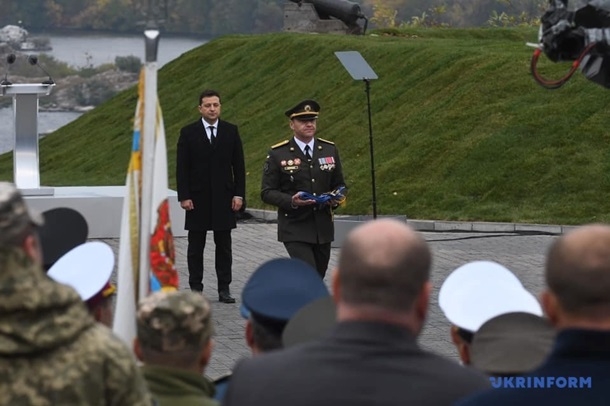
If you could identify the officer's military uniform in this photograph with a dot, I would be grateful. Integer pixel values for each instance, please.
(172, 323)
(288, 171)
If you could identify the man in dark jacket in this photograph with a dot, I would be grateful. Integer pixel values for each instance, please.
(296, 167)
(211, 178)
(382, 291)
(577, 302)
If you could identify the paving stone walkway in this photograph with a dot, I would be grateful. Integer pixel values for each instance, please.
(254, 242)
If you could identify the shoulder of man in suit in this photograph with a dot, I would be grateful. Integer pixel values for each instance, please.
(190, 125)
(227, 123)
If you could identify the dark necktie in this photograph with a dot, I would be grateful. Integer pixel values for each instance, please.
(307, 154)
(212, 136)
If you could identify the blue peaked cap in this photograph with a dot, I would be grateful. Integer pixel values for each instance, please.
(280, 288)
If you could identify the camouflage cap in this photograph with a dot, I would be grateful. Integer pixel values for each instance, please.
(174, 321)
(14, 214)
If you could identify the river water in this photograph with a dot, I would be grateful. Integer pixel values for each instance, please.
(95, 49)
(47, 122)
(91, 50)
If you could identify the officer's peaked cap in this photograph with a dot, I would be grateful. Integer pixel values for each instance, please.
(305, 110)
(278, 289)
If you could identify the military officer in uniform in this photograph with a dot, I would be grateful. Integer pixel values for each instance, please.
(307, 164)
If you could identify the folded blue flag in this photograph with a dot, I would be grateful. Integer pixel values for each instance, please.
(336, 196)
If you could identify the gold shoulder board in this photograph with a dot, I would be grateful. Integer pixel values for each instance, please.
(326, 141)
(279, 144)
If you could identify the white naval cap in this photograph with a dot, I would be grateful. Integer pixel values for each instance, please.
(86, 268)
(479, 291)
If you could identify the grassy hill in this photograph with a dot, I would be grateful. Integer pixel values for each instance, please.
(461, 130)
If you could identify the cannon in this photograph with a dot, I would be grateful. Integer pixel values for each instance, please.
(324, 16)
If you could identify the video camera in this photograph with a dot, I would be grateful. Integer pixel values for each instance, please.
(582, 36)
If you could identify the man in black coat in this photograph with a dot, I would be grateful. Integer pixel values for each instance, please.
(577, 302)
(308, 164)
(371, 357)
(211, 177)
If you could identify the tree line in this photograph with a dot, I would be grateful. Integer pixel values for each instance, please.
(218, 17)
(457, 13)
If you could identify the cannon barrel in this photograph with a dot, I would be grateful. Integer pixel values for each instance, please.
(344, 10)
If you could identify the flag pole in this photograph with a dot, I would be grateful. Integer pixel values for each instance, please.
(146, 251)
(151, 38)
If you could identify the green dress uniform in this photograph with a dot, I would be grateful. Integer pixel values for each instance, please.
(288, 171)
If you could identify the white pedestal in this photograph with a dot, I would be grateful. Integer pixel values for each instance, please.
(102, 207)
(26, 173)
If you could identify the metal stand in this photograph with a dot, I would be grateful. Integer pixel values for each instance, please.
(368, 104)
(26, 172)
(357, 67)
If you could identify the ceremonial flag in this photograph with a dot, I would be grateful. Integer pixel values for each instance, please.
(146, 249)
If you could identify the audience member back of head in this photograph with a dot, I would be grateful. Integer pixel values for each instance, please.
(174, 340)
(371, 356)
(577, 303)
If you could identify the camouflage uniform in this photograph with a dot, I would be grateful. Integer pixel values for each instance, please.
(51, 350)
(176, 323)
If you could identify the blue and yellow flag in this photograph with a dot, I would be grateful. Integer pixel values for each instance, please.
(146, 249)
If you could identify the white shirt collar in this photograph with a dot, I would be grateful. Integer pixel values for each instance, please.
(302, 145)
(207, 127)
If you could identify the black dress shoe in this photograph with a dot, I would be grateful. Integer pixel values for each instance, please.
(225, 297)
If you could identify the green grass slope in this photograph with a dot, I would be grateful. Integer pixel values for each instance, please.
(461, 130)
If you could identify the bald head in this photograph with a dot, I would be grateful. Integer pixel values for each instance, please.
(383, 263)
(578, 271)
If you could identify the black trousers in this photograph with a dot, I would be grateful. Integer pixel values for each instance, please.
(223, 260)
(316, 255)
